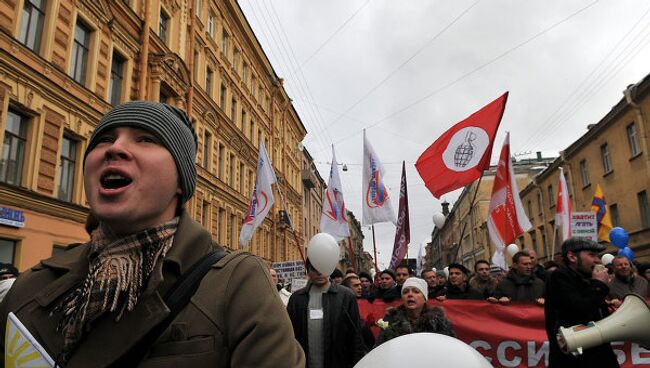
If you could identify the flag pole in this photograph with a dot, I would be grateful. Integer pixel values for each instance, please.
(374, 246)
(354, 258)
(554, 237)
(471, 207)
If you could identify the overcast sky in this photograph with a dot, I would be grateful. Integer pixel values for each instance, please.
(408, 70)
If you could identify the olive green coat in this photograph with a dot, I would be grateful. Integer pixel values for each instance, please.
(235, 319)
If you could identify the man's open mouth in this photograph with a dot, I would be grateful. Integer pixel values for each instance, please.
(112, 180)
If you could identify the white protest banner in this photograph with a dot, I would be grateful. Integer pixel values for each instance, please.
(290, 270)
(297, 284)
(584, 225)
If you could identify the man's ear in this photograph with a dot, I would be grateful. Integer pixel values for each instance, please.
(573, 257)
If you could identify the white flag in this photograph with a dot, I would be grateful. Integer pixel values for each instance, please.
(262, 198)
(376, 199)
(334, 220)
(21, 348)
(563, 208)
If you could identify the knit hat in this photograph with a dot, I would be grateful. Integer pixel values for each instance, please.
(418, 284)
(441, 273)
(168, 123)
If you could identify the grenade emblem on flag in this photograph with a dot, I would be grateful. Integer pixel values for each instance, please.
(465, 151)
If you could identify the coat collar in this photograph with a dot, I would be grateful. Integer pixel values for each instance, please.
(190, 243)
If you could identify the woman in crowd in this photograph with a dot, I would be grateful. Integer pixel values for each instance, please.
(413, 315)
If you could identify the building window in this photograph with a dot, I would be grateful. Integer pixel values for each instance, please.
(613, 213)
(231, 171)
(220, 215)
(243, 119)
(251, 131)
(222, 97)
(644, 211)
(197, 8)
(232, 230)
(235, 59)
(8, 250)
(117, 79)
(604, 156)
(211, 24)
(80, 49)
(224, 41)
(241, 178)
(220, 162)
(539, 202)
(533, 238)
(584, 173)
(551, 196)
(163, 96)
(195, 69)
(250, 181)
(244, 73)
(67, 169)
(633, 140)
(530, 209)
(13, 148)
(204, 212)
(543, 234)
(209, 76)
(233, 108)
(31, 26)
(207, 148)
(163, 26)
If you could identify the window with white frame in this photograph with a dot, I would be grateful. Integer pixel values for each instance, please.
(67, 165)
(31, 24)
(13, 148)
(584, 173)
(606, 159)
(116, 84)
(80, 52)
(633, 140)
(211, 24)
(8, 250)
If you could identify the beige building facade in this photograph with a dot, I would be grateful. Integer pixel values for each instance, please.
(64, 63)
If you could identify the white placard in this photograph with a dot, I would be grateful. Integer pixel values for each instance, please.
(584, 225)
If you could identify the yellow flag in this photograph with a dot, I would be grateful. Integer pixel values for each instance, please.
(21, 349)
(599, 206)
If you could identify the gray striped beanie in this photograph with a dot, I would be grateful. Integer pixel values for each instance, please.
(170, 124)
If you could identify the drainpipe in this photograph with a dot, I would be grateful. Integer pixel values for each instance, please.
(144, 54)
(190, 57)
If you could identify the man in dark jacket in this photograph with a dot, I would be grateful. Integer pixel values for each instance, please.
(326, 322)
(388, 289)
(457, 286)
(520, 284)
(482, 281)
(575, 294)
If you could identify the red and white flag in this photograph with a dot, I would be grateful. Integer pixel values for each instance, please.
(459, 155)
(403, 230)
(506, 216)
(563, 208)
(334, 220)
(262, 198)
(376, 205)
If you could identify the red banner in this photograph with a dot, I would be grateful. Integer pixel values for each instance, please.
(508, 336)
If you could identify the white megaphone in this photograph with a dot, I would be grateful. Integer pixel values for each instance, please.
(629, 323)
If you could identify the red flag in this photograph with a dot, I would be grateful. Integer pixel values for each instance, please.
(506, 217)
(563, 207)
(403, 231)
(459, 155)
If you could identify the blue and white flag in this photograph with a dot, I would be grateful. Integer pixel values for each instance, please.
(334, 220)
(262, 198)
(376, 203)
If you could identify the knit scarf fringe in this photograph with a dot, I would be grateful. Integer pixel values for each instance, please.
(118, 271)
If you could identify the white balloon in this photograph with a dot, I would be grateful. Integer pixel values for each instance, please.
(512, 249)
(417, 350)
(439, 220)
(607, 259)
(434, 270)
(323, 252)
(446, 271)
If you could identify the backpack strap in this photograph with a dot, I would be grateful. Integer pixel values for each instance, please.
(176, 298)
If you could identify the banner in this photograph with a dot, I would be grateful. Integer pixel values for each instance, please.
(262, 198)
(376, 205)
(584, 225)
(563, 207)
(333, 219)
(506, 216)
(507, 335)
(403, 230)
(459, 155)
(289, 270)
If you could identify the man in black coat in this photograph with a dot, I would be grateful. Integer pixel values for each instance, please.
(575, 294)
(457, 286)
(326, 322)
(520, 284)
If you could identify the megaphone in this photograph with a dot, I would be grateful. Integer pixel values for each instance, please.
(629, 323)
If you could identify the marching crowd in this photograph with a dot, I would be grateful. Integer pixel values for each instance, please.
(327, 324)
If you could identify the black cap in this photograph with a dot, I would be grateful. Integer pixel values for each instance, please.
(366, 275)
(336, 273)
(8, 269)
(575, 244)
(459, 266)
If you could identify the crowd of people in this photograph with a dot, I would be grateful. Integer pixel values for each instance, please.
(584, 290)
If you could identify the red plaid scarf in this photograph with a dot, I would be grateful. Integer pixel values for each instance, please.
(119, 268)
